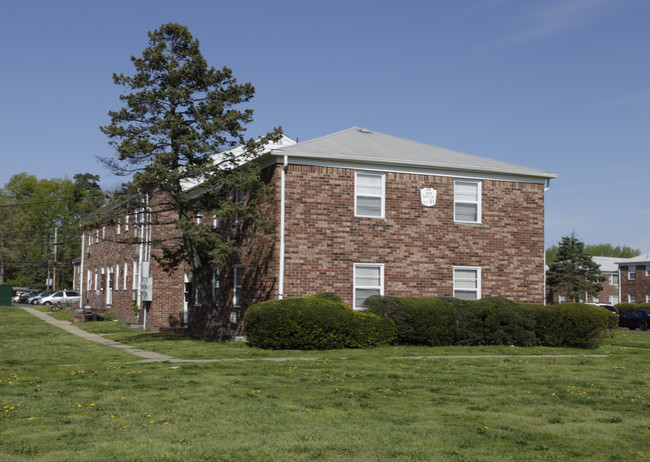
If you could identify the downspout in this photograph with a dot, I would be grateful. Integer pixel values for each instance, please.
(548, 186)
(147, 234)
(282, 208)
(140, 256)
(620, 285)
(81, 271)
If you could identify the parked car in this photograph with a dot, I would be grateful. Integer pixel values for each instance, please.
(35, 300)
(25, 296)
(611, 308)
(634, 319)
(62, 296)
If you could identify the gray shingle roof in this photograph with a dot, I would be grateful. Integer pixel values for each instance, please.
(366, 146)
(643, 259)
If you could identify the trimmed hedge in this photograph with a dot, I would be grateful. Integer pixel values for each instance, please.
(419, 321)
(493, 321)
(319, 322)
(571, 324)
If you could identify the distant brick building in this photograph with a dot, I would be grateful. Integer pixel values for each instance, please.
(358, 213)
(635, 279)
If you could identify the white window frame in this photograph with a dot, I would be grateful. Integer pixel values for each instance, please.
(104, 233)
(199, 217)
(119, 226)
(478, 280)
(631, 273)
(126, 224)
(125, 284)
(89, 279)
(237, 285)
(478, 202)
(647, 298)
(356, 286)
(613, 280)
(631, 298)
(117, 277)
(381, 195)
(136, 272)
(647, 270)
(215, 286)
(613, 299)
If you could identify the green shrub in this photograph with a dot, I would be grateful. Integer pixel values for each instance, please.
(373, 330)
(313, 323)
(624, 307)
(571, 324)
(494, 321)
(419, 321)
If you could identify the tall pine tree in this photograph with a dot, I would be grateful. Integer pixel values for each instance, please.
(574, 273)
(178, 114)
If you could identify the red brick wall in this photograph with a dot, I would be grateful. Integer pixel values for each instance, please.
(418, 245)
(640, 286)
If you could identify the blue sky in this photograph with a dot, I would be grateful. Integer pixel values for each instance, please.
(559, 85)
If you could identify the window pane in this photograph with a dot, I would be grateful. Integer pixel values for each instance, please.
(362, 294)
(369, 206)
(466, 192)
(368, 184)
(368, 276)
(466, 212)
(465, 295)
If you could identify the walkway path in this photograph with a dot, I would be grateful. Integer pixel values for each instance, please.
(150, 356)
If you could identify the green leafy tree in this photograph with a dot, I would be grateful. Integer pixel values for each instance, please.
(574, 273)
(33, 211)
(179, 122)
(598, 250)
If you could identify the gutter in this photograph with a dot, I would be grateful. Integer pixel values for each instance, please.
(285, 165)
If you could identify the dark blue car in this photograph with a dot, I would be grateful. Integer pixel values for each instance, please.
(635, 319)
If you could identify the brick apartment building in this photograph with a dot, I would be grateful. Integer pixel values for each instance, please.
(635, 279)
(358, 213)
(611, 287)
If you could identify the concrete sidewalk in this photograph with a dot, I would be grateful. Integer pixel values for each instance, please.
(69, 327)
(148, 356)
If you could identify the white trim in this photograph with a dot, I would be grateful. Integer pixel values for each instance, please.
(355, 287)
(478, 202)
(630, 272)
(382, 194)
(283, 187)
(478, 280)
(383, 168)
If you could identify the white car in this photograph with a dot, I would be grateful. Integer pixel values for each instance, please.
(62, 296)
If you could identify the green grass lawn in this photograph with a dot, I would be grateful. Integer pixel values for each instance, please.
(64, 398)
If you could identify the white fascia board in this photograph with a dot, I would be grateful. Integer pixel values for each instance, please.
(358, 165)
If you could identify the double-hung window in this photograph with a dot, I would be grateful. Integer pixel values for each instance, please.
(631, 298)
(369, 195)
(631, 273)
(613, 279)
(467, 282)
(368, 281)
(467, 201)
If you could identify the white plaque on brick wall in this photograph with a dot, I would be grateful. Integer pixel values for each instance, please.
(428, 196)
